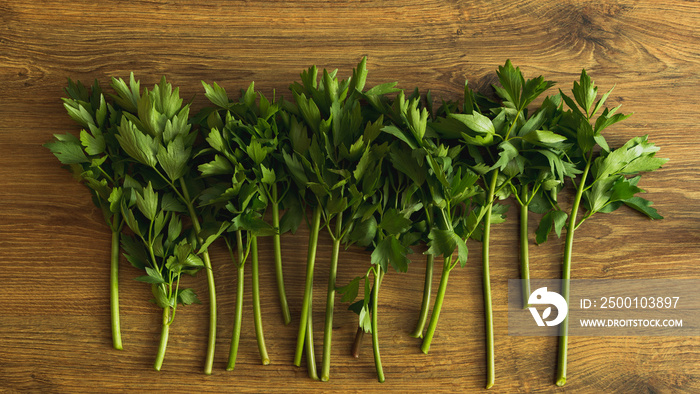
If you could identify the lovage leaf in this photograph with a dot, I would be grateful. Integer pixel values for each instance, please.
(350, 290)
(94, 143)
(218, 166)
(476, 122)
(391, 251)
(543, 137)
(393, 222)
(174, 159)
(643, 206)
(67, 149)
(134, 251)
(187, 297)
(154, 276)
(136, 144)
(216, 94)
(444, 242)
(147, 202)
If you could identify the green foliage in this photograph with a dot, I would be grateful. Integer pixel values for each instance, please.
(393, 169)
(608, 184)
(159, 246)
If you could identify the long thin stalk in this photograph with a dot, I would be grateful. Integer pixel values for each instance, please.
(310, 353)
(211, 344)
(438, 305)
(330, 301)
(524, 248)
(425, 303)
(256, 302)
(566, 277)
(114, 284)
(306, 303)
(238, 320)
(277, 249)
(379, 274)
(488, 309)
(163, 344)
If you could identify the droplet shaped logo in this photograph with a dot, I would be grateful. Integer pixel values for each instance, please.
(543, 297)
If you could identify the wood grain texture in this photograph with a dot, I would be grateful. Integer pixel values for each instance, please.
(54, 314)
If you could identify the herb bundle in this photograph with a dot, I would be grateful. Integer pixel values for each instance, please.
(339, 164)
(154, 131)
(97, 160)
(248, 176)
(164, 251)
(376, 168)
(605, 183)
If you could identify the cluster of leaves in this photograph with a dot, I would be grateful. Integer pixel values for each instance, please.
(245, 177)
(389, 170)
(97, 160)
(155, 134)
(158, 244)
(337, 157)
(94, 158)
(134, 149)
(609, 177)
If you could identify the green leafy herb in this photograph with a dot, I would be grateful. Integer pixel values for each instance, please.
(377, 168)
(97, 160)
(245, 173)
(155, 133)
(161, 248)
(604, 185)
(444, 187)
(335, 157)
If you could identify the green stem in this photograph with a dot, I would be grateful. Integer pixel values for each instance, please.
(256, 302)
(488, 310)
(277, 249)
(310, 353)
(425, 304)
(566, 277)
(165, 331)
(330, 300)
(177, 286)
(524, 245)
(306, 303)
(517, 116)
(446, 267)
(209, 361)
(379, 274)
(238, 320)
(114, 284)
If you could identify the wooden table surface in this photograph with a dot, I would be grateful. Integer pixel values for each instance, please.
(54, 313)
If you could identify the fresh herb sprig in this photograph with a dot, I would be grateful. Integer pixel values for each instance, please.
(306, 164)
(384, 223)
(506, 131)
(606, 183)
(97, 160)
(445, 188)
(155, 133)
(342, 146)
(418, 175)
(384, 226)
(262, 142)
(510, 123)
(538, 182)
(161, 248)
(247, 174)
